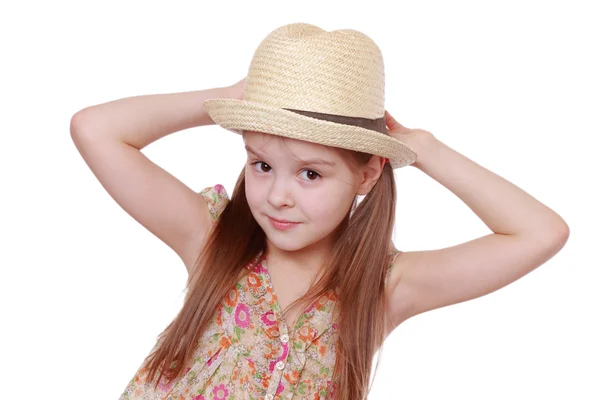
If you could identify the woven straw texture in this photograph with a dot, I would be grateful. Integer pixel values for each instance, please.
(303, 67)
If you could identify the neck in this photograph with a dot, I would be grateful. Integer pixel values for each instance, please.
(307, 260)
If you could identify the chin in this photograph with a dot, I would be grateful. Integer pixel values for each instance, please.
(289, 247)
(289, 243)
(284, 241)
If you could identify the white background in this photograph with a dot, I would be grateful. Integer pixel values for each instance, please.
(514, 86)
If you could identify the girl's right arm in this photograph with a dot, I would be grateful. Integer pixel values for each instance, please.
(110, 136)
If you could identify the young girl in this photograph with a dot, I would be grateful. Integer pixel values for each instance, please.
(293, 284)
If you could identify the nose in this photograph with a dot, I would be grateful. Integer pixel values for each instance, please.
(280, 192)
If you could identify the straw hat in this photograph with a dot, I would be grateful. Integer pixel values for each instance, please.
(323, 87)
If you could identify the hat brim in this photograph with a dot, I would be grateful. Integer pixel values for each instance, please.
(236, 115)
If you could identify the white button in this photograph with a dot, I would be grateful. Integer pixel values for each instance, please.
(269, 396)
(280, 365)
(285, 338)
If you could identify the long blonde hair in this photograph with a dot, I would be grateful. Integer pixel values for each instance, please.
(356, 269)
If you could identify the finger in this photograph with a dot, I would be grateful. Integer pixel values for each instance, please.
(391, 121)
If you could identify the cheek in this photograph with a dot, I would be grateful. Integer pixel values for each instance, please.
(251, 194)
(327, 209)
(253, 198)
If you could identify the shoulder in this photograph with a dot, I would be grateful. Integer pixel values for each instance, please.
(217, 198)
(393, 257)
(396, 301)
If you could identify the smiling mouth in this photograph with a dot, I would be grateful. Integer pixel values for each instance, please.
(283, 221)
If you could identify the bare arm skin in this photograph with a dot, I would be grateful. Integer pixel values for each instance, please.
(526, 234)
(110, 136)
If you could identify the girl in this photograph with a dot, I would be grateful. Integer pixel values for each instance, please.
(293, 284)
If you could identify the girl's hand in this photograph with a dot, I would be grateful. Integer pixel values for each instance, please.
(416, 139)
(236, 91)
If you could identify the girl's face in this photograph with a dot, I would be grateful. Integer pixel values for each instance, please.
(297, 181)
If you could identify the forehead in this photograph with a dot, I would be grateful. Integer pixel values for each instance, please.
(265, 143)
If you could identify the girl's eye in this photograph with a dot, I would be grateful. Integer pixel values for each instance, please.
(311, 175)
(261, 164)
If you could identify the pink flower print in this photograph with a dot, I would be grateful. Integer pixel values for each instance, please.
(199, 397)
(262, 267)
(242, 316)
(282, 357)
(272, 365)
(220, 392)
(332, 387)
(219, 189)
(269, 318)
(212, 359)
(165, 387)
(279, 388)
(285, 349)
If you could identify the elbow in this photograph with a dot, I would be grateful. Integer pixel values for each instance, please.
(82, 125)
(555, 230)
(564, 233)
(551, 236)
(77, 124)
(561, 230)
(558, 235)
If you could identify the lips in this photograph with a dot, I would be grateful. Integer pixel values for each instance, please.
(283, 221)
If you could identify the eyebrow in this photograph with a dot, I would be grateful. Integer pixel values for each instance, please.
(315, 160)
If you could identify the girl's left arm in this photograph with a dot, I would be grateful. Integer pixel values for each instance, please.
(526, 233)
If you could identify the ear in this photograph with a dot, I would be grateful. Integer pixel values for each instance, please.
(369, 174)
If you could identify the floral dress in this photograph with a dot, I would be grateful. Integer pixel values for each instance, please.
(248, 351)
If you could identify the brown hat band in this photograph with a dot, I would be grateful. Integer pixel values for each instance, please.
(377, 124)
